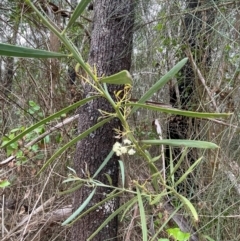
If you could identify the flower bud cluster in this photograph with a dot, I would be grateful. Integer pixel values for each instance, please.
(124, 148)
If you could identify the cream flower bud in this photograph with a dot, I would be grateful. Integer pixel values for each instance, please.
(123, 149)
(117, 146)
(127, 142)
(118, 153)
(131, 152)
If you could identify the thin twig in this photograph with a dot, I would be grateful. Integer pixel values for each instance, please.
(130, 227)
(54, 128)
(222, 123)
(159, 132)
(185, 12)
(194, 65)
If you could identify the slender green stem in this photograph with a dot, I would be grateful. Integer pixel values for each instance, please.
(69, 45)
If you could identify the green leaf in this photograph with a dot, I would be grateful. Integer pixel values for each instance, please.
(184, 143)
(59, 113)
(77, 12)
(188, 171)
(178, 234)
(157, 198)
(74, 141)
(108, 178)
(23, 52)
(120, 78)
(32, 103)
(16, 129)
(70, 190)
(188, 205)
(34, 148)
(79, 210)
(104, 163)
(208, 238)
(65, 40)
(110, 196)
(174, 167)
(159, 84)
(4, 183)
(178, 112)
(142, 216)
(72, 170)
(122, 172)
(14, 146)
(109, 218)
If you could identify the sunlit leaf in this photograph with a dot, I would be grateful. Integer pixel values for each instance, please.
(23, 52)
(178, 234)
(4, 183)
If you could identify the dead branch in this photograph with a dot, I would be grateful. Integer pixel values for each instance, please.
(194, 65)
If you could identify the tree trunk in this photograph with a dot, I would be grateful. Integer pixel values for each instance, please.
(110, 52)
(7, 79)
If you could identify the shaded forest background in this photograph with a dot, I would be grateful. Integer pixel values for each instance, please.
(207, 32)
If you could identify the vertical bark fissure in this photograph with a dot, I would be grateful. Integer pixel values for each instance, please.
(110, 52)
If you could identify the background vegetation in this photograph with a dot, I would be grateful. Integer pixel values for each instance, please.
(32, 89)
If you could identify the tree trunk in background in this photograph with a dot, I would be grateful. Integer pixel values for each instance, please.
(7, 78)
(197, 33)
(110, 52)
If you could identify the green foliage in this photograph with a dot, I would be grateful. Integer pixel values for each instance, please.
(183, 143)
(177, 111)
(34, 108)
(159, 84)
(74, 141)
(13, 147)
(23, 52)
(121, 78)
(142, 215)
(80, 209)
(46, 120)
(4, 183)
(77, 12)
(123, 110)
(178, 235)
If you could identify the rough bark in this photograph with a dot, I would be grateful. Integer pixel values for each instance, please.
(110, 52)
